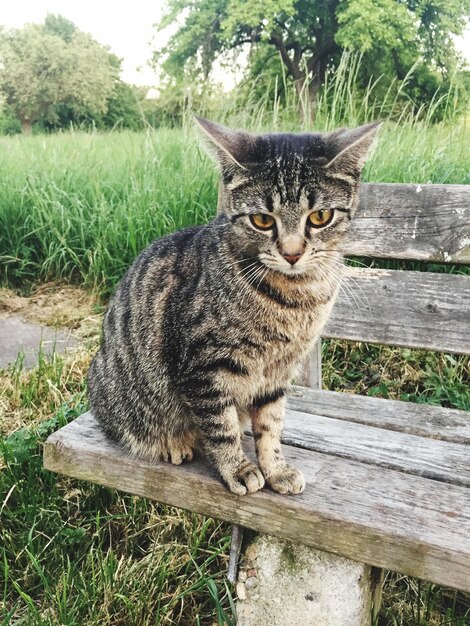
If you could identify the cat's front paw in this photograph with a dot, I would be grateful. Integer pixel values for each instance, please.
(287, 480)
(246, 477)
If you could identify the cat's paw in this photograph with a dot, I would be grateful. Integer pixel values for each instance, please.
(177, 450)
(287, 480)
(247, 477)
(180, 453)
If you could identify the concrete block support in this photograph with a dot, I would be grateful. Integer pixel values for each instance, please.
(286, 584)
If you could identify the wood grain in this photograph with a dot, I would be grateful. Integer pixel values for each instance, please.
(310, 374)
(406, 221)
(424, 420)
(402, 308)
(414, 525)
(438, 460)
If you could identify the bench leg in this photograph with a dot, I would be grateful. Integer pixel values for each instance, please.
(281, 583)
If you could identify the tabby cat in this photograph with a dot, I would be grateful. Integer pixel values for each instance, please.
(206, 329)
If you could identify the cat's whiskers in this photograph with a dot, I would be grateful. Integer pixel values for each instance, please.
(247, 267)
(326, 276)
(328, 273)
(250, 277)
(242, 275)
(247, 281)
(238, 261)
(259, 272)
(362, 294)
(243, 269)
(344, 266)
(245, 274)
(261, 276)
(266, 270)
(345, 286)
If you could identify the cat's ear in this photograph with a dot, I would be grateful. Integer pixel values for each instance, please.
(349, 148)
(230, 147)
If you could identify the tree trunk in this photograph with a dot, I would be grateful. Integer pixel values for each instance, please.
(27, 127)
(300, 77)
(318, 78)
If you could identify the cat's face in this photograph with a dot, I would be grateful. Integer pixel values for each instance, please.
(289, 213)
(290, 198)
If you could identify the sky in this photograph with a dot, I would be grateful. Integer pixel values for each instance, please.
(127, 27)
(124, 26)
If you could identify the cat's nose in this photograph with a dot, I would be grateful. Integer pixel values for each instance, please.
(291, 248)
(292, 258)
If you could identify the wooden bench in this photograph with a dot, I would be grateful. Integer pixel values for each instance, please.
(388, 482)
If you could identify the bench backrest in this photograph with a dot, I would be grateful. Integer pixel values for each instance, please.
(408, 308)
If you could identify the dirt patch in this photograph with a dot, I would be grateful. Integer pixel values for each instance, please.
(29, 396)
(58, 306)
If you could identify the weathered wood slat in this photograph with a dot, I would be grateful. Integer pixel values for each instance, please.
(401, 308)
(400, 221)
(417, 526)
(423, 420)
(310, 371)
(431, 458)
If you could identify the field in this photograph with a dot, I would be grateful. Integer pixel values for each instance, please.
(76, 209)
(81, 207)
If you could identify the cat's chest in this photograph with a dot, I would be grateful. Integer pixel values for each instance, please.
(283, 341)
(286, 330)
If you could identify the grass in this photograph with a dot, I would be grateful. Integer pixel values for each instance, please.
(397, 373)
(82, 206)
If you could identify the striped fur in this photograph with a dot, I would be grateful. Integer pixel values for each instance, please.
(206, 329)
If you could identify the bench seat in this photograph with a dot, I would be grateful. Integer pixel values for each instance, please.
(388, 482)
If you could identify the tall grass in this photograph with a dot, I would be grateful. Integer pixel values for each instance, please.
(82, 206)
(342, 100)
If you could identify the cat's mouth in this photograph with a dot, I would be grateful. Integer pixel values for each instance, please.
(285, 268)
(293, 270)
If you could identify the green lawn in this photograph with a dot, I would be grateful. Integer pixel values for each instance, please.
(80, 207)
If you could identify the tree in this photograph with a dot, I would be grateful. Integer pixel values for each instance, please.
(9, 124)
(45, 66)
(124, 109)
(309, 35)
(60, 26)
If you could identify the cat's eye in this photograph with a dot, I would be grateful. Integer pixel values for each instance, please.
(262, 221)
(320, 218)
